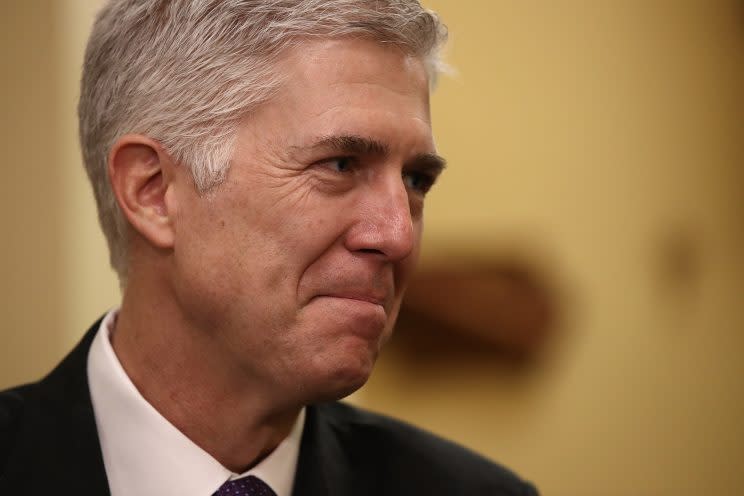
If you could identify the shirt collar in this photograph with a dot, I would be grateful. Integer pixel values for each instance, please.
(144, 454)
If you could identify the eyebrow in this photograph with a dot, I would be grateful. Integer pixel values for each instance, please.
(360, 145)
(429, 162)
(353, 145)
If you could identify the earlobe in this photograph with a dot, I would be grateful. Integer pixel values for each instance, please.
(141, 172)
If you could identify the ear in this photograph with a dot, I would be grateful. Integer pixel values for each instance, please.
(141, 172)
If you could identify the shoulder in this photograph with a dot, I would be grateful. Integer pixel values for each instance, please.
(47, 423)
(409, 455)
(14, 405)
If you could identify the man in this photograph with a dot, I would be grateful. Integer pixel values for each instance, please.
(260, 169)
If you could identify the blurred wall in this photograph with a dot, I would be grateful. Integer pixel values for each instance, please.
(602, 139)
(31, 263)
(55, 279)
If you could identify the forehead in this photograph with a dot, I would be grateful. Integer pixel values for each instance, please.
(351, 86)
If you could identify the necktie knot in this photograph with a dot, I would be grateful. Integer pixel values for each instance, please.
(247, 486)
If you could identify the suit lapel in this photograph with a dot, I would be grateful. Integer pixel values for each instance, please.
(68, 394)
(322, 467)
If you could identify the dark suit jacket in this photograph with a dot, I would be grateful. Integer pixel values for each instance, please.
(49, 445)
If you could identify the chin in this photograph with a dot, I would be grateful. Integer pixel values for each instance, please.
(336, 393)
(339, 378)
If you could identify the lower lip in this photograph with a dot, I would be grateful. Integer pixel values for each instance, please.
(364, 318)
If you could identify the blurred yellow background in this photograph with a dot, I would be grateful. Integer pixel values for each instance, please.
(603, 141)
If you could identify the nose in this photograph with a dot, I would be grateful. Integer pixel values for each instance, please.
(383, 223)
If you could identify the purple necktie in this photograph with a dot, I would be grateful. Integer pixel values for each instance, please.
(247, 486)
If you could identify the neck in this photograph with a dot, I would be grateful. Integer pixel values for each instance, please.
(183, 373)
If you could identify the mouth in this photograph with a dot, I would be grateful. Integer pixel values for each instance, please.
(357, 303)
(362, 298)
(378, 303)
(363, 315)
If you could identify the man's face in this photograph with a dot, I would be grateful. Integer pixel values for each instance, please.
(296, 265)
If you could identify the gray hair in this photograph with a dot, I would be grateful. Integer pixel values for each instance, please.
(185, 72)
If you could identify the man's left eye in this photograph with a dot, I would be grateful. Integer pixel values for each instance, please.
(418, 181)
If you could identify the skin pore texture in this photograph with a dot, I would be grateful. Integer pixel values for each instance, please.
(278, 288)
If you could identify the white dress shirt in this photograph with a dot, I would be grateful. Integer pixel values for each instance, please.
(145, 455)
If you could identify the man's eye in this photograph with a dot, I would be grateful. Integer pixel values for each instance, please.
(339, 164)
(418, 181)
